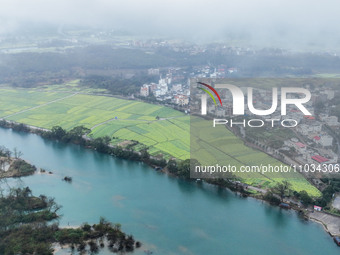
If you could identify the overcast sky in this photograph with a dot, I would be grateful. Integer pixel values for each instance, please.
(289, 22)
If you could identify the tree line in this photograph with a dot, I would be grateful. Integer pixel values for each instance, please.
(117, 85)
(78, 134)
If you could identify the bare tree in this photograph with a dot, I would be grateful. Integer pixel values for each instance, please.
(17, 153)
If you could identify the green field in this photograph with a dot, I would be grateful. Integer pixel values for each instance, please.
(218, 145)
(72, 86)
(122, 120)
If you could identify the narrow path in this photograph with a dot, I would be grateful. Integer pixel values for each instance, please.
(149, 121)
(174, 117)
(263, 191)
(38, 106)
(102, 123)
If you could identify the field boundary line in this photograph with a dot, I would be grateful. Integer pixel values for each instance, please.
(148, 121)
(38, 106)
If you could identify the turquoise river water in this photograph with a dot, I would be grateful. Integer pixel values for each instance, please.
(168, 215)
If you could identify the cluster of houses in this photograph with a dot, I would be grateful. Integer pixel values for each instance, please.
(313, 142)
(312, 152)
(221, 71)
(174, 85)
(166, 89)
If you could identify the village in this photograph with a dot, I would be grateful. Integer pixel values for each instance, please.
(174, 84)
(313, 140)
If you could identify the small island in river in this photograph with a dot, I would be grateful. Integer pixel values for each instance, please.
(26, 225)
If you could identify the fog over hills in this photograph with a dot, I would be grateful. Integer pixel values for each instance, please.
(274, 23)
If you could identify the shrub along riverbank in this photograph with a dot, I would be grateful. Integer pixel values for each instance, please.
(179, 168)
(24, 228)
(24, 219)
(77, 135)
(11, 165)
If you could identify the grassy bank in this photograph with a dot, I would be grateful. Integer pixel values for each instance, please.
(133, 125)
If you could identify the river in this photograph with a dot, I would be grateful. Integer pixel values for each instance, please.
(168, 215)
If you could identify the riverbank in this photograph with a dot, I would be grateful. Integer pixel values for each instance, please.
(168, 215)
(78, 135)
(26, 229)
(15, 167)
(249, 194)
(331, 223)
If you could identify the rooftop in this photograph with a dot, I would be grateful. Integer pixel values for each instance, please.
(319, 158)
(300, 145)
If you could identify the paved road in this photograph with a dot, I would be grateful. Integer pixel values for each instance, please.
(330, 222)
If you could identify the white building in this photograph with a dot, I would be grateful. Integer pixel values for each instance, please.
(144, 90)
(176, 87)
(153, 71)
(330, 120)
(162, 86)
(181, 99)
(157, 92)
(329, 93)
(308, 129)
(325, 140)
